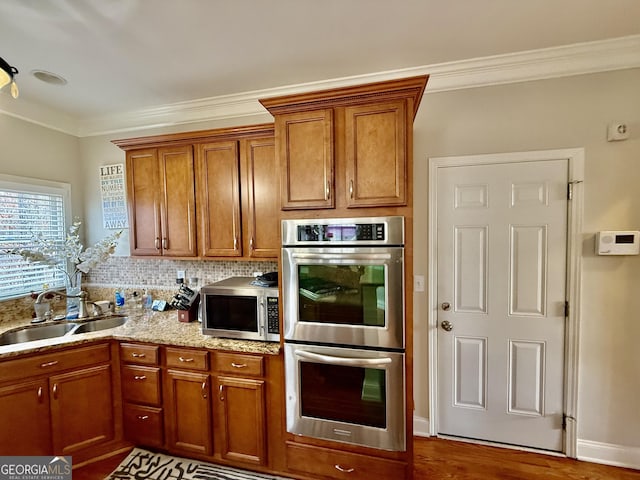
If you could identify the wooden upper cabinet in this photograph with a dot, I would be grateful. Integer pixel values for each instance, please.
(161, 201)
(304, 144)
(178, 203)
(218, 184)
(261, 200)
(143, 202)
(368, 128)
(376, 154)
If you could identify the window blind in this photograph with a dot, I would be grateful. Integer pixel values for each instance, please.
(24, 211)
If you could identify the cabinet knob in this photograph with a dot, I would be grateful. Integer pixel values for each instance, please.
(221, 393)
(55, 391)
(204, 389)
(157, 244)
(142, 417)
(139, 377)
(165, 243)
(350, 188)
(327, 195)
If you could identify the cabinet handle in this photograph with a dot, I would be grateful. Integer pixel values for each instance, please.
(48, 364)
(238, 365)
(221, 392)
(55, 391)
(235, 243)
(182, 359)
(251, 244)
(138, 355)
(350, 188)
(327, 195)
(344, 470)
(204, 389)
(157, 244)
(142, 417)
(165, 243)
(140, 377)
(40, 394)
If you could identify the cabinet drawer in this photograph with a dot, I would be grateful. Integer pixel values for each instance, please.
(141, 385)
(143, 425)
(54, 362)
(341, 465)
(142, 354)
(188, 359)
(238, 364)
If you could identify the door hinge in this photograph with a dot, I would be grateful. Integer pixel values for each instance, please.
(566, 309)
(564, 421)
(570, 188)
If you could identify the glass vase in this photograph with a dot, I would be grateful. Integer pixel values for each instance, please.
(74, 287)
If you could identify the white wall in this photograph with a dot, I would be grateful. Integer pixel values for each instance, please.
(552, 114)
(28, 150)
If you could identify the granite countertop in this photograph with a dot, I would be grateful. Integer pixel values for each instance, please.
(152, 327)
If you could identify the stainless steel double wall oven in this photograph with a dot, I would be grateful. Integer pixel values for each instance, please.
(343, 298)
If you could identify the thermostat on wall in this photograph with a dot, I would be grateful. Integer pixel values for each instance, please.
(618, 243)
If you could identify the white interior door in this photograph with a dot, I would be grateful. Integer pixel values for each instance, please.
(501, 280)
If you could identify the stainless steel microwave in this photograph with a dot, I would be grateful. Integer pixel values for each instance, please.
(234, 308)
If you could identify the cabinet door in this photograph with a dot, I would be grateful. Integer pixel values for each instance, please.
(304, 142)
(242, 420)
(375, 154)
(178, 203)
(25, 419)
(261, 181)
(143, 202)
(188, 412)
(219, 199)
(81, 409)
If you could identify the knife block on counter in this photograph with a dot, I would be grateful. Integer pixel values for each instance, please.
(186, 302)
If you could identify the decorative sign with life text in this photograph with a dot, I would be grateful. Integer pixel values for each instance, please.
(114, 200)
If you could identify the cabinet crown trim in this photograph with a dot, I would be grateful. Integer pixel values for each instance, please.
(412, 87)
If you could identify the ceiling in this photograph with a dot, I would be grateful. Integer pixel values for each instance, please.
(124, 55)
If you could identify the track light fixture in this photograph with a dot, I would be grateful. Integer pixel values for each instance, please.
(7, 76)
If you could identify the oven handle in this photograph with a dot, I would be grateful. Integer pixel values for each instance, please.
(354, 362)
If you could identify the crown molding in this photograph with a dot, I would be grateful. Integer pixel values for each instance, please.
(567, 60)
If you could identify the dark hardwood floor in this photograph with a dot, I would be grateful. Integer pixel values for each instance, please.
(438, 459)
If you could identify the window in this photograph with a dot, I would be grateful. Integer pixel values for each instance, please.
(30, 206)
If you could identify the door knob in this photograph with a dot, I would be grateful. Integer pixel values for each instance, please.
(446, 325)
(446, 306)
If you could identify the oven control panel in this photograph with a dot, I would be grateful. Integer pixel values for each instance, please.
(360, 231)
(341, 233)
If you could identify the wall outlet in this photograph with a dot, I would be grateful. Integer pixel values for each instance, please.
(180, 274)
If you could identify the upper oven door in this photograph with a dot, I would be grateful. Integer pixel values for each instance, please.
(344, 296)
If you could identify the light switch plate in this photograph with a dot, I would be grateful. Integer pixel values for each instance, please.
(418, 283)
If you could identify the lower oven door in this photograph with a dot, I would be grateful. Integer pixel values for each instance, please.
(347, 395)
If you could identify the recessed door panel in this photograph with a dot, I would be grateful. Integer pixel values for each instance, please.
(528, 282)
(470, 372)
(471, 269)
(526, 377)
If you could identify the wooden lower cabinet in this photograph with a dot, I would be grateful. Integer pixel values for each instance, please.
(25, 419)
(241, 420)
(329, 463)
(67, 409)
(188, 412)
(143, 425)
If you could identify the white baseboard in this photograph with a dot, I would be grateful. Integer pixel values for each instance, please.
(420, 426)
(608, 454)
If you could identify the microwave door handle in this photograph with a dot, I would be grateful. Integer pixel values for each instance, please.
(353, 362)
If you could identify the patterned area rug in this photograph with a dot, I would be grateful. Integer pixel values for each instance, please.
(145, 465)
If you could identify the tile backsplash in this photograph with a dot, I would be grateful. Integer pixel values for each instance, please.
(130, 272)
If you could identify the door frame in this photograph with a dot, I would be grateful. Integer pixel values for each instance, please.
(575, 157)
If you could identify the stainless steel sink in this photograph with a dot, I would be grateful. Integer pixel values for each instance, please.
(100, 324)
(40, 332)
(53, 330)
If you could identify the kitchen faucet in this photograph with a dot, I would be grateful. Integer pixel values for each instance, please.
(82, 313)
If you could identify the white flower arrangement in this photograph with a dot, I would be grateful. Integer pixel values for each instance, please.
(62, 255)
